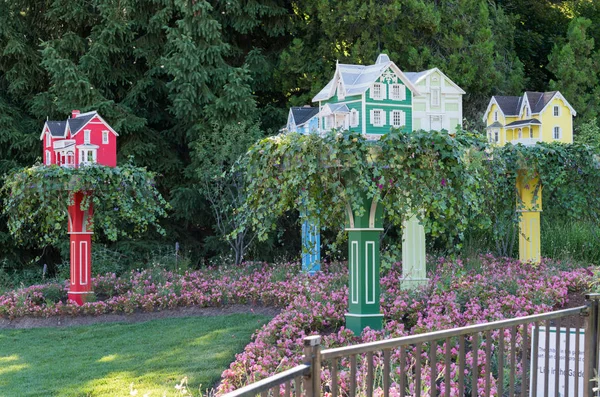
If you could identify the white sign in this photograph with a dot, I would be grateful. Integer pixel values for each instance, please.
(553, 372)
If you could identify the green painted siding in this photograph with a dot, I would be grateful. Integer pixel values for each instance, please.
(371, 129)
(387, 105)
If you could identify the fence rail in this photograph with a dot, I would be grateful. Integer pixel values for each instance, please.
(477, 360)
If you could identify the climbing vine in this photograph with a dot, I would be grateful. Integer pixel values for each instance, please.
(431, 174)
(449, 182)
(36, 201)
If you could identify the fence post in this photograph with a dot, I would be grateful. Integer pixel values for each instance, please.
(312, 357)
(591, 344)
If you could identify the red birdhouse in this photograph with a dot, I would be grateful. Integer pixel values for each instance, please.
(84, 138)
(81, 140)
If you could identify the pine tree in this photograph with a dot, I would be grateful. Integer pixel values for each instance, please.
(576, 65)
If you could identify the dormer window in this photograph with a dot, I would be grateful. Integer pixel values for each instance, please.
(341, 94)
(377, 91)
(86, 136)
(105, 137)
(398, 92)
(556, 111)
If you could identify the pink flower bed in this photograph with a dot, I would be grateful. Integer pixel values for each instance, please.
(496, 289)
(501, 288)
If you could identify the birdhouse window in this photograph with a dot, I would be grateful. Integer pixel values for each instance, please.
(377, 91)
(377, 117)
(354, 118)
(86, 136)
(496, 136)
(70, 158)
(105, 137)
(556, 111)
(398, 92)
(398, 118)
(435, 97)
(557, 133)
(48, 157)
(496, 115)
(48, 139)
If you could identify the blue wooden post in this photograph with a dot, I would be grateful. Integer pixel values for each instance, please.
(311, 246)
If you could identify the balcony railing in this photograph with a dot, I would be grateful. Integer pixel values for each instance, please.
(526, 141)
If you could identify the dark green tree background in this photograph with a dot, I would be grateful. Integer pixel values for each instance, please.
(170, 75)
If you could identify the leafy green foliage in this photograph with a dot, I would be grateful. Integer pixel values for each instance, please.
(451, 183)
(125, 201)
(428, 173)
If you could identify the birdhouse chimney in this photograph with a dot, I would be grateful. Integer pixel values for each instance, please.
(75, 113)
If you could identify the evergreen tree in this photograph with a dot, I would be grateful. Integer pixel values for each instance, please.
(576, 65)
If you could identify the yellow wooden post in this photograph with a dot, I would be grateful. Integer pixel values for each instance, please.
(529, 204)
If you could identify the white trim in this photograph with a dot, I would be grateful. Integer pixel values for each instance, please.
(363, 229)
(83, 267)
(80, 292)
(105, 134)
(367, 300)
(364, 113)
(87, 137)
(363, 315)
(354, 272)
(90, 120)
(487, 111)
(390, 104)
(72, 267)
(444, 77)
(525, 102)
(558, 95)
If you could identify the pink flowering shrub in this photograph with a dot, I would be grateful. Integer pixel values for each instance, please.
(499, 289)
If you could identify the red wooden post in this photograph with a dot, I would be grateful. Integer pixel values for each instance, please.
(80, 232)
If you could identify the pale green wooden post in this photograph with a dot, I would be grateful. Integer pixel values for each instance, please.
(413, 254)
(364, 229)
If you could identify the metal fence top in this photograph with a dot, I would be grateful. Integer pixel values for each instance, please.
(437, 335)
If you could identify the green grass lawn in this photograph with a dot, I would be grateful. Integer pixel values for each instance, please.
(104, 359)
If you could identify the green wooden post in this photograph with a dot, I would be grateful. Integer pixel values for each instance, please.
(364, 228)
(414, 272)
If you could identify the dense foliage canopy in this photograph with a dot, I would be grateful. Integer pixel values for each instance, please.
(125, 201)
(448, 182)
